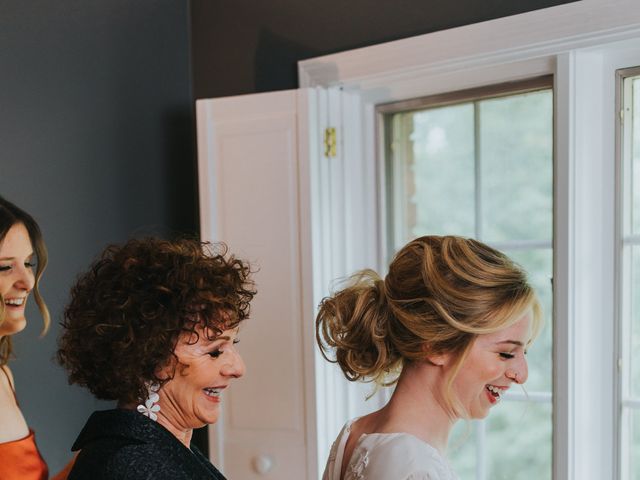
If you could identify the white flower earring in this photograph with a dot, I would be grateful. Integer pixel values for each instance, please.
(150, 408)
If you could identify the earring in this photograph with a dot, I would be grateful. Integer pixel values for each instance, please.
(150, 408)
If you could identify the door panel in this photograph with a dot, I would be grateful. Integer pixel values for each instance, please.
(250, 188)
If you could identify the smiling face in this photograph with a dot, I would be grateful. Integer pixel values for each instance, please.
(16, 278)
(193, 397)
(494, 362)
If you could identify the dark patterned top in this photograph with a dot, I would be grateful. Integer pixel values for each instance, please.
(124, 444)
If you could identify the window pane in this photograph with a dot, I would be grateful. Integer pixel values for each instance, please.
(519, 441)
(635, 320)
(516, 148)
(510, 454)
(484, 169)
(629, 276)
(462, 449)
(440, 171)
(539, 266)
(635, 162)
(631, 429)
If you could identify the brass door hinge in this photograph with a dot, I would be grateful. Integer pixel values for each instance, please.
(330, 142)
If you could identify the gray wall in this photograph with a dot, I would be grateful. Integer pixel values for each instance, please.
(96, 142)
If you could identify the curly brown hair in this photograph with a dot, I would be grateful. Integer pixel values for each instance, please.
(128, 310)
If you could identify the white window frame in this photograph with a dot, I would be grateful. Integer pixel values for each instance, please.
(628, 405)
(581, 44)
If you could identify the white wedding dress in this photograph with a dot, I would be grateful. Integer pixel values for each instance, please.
(387, 456)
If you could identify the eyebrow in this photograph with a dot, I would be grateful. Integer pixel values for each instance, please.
(511, 342)
(211, 341)
(225, 338)
(4, 259)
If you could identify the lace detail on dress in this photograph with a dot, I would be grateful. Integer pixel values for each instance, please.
(355, 470)
(333, 453)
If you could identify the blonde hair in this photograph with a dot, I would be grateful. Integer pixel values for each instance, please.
(439, 295)
(11, 215)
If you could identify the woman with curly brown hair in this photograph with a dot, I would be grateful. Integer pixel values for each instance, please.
(450, 324)
(154, 324)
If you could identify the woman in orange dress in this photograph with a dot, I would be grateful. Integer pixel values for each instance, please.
(23, 258)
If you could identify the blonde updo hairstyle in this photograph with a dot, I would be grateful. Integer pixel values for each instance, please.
(439, 295)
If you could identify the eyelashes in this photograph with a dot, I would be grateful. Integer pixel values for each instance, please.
(217, 352)
(509, 356)
(6, 268)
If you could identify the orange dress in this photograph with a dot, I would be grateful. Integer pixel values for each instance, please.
(21, 460)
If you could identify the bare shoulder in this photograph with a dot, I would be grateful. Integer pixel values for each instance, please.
(371, 423)
(14, 426)
(9, 374)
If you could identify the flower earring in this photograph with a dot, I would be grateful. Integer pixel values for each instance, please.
(150, 408)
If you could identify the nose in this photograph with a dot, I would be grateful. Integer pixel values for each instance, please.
(234, 367)
(519, 371)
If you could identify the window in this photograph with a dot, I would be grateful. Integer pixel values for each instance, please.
(596, 426)
(479, 163)
(629, 274)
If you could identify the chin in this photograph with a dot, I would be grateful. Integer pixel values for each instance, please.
(479, 413)
(207, 418)
(11, 326)
(207, 421)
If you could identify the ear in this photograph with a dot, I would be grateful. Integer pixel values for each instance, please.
(439, 359)
(168, 370)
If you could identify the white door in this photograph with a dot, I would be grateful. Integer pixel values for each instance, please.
(304, 214)
(254, 196)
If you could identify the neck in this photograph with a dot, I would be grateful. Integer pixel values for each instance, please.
(172, 418)
(170, 422)
(417, 405)
(181, 433)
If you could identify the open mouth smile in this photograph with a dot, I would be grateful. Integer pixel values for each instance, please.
(495, 393)
(213, 393)
(15, 302)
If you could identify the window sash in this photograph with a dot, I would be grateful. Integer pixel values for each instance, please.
(397, 130)
(629, 404)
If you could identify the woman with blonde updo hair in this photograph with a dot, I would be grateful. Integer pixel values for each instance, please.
(449, 325)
